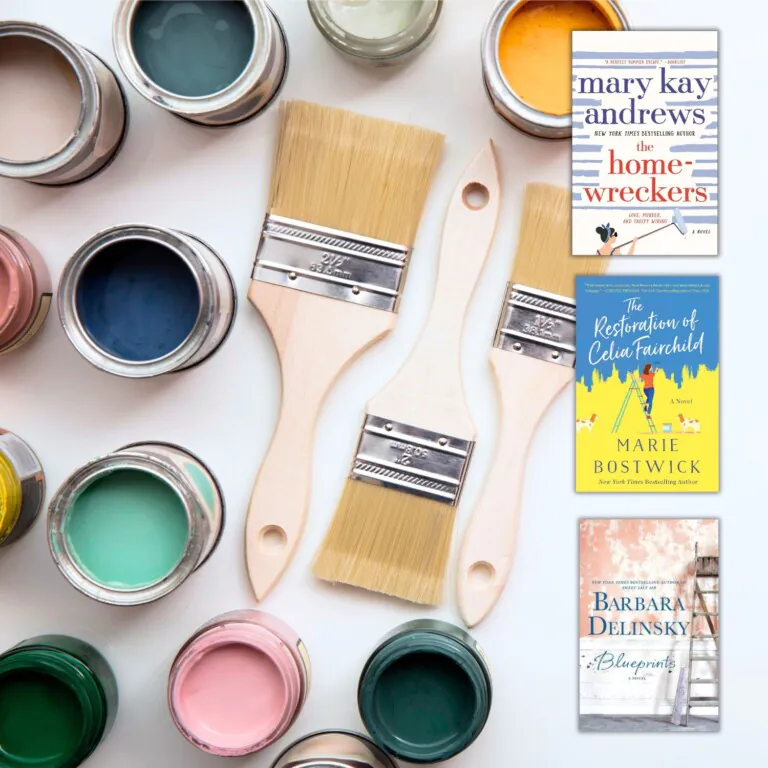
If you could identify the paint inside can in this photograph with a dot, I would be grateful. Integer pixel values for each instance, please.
(40, 98)
(137, 299)
(239, 683)
(127, 530)
(425, 693)
(374, 19)
(535, 50)
(334, 749)
(22, 487)
(58, 699)
(192, 48)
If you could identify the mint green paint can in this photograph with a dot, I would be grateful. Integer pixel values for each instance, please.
(130, 527)
(425, 692)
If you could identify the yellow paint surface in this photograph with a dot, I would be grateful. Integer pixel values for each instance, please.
(10, 498)
(535, 49)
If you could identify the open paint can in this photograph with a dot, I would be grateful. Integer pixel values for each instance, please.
(25, 290)
(139, 301)
(130, 527)
(238, 683)
(22, 488)
(334, 749)
(425, 692)
(214, 63)
(58, 700)
(526, 56)
(63, 113)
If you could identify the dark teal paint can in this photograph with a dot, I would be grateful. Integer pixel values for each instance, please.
(425, 692)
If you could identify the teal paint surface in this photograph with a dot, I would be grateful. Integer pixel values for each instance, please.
(127, 530)
(192, 48)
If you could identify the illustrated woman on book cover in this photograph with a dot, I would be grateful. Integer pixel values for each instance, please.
(608, 236)
(647, 376)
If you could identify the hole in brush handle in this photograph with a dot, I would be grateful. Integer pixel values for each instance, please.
(272, 539)
(476, 196)
(481, 573)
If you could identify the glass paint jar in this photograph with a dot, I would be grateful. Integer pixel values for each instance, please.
(333, 749)
(25, 290)
(139, 301)
(166, 516)
(377, 31)
(22, 487)
(239, 683)
(215, 64)
(58, 701)
(425, 692)
(56, 83)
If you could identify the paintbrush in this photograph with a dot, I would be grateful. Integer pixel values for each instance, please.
(392, 529)
(345, 202)
(532, 360)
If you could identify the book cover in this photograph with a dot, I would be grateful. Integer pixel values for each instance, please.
(647, 384)
(645, 143)
(649, 625)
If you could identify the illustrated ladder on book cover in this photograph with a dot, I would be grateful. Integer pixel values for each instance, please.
(634, 387)
(706, 569)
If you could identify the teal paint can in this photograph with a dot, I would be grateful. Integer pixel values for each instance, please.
(425, 692)
(213, 62)
(132, 526)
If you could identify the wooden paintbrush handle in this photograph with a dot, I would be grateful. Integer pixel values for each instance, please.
(526, 387)
(434, 364)
(316, 339)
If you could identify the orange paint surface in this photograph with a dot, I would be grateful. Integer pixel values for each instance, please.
(535, 49)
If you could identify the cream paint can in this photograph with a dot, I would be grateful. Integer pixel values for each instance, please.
(25, 290)
(130, 527)
(64, 115)
(334, 749)
(22, 487)
(140, 301)
(379, 32)
(526, 59)
(238, 684)
(213, 63)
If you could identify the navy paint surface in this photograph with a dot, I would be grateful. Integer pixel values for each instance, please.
(137, 300)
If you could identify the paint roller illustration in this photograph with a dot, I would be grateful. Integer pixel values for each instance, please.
(677, 222)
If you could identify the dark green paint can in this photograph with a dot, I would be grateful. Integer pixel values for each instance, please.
(58, 700)
(425, 692)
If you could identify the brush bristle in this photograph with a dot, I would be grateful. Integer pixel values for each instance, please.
(543, 258)
(388, 541)
(354, 173)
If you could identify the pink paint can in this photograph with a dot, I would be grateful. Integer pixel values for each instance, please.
(239, 683)
(25, 290)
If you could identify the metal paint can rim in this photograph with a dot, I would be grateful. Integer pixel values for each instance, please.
(506, 102)
(179, 358)
(201, 538)
(90, 103)
(386, 760)
(268, 37)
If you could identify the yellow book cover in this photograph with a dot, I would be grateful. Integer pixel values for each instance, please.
(647, 384)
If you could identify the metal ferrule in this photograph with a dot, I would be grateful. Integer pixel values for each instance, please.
(331, 263)
(538, 324)
(407, 458)
(103, 115)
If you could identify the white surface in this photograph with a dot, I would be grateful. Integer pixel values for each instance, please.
(214, 184)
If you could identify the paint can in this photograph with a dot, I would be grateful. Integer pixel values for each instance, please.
(425, 692)
(239, 683)
(378, 32)
(334, 749)
(25, 290)
(211, 63)
(165, 518)
(58, 701)
(22, 487)
(139, 301)
(522, 42)
(64, 115)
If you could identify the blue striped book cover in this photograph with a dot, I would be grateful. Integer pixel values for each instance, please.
(645, 143)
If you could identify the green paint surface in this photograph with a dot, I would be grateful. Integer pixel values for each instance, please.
(425, 699)
(41, 723)
(127, 530)
(192, 48)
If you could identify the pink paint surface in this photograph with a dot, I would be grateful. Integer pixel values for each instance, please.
(232, 697)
